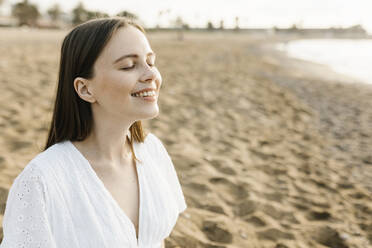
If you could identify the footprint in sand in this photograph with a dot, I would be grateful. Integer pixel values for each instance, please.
(3, 197)
(280, 246)
(344, 185)
(246, 207)
(362, 209)
(278, 214)
(221, 167)
(274, 234)
(368, 229)
(213, 208)
(256, 221)
(318, 215)
(323, 185)
(303, 203)
(2, 162)
(217, 232)
(357, 195)
(300, 206)
(328, 237)
(228, 190)
(262, 155)
(276, 196)
(198, 188)
(15, 145)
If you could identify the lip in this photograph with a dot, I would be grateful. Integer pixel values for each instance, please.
(143, 90)
(148, 98)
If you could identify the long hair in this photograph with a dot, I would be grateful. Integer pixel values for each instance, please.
(72, 116)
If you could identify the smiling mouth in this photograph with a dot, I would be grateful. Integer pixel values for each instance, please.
(144, 94)
(146, 98)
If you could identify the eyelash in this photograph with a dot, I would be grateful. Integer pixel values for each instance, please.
(129, 68)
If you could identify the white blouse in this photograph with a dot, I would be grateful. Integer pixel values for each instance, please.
(58, 201)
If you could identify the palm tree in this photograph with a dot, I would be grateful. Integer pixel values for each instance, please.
(26, 13)
(96, 14)
(236, 22)
(128, 14)
(178, 23)
(210, 25)
(55, 12)
(221, 24)
(79, 14)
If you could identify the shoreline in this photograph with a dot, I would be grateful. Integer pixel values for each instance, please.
(328, 52)
(332, 95)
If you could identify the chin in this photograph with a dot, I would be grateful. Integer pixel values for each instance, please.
(149, 116)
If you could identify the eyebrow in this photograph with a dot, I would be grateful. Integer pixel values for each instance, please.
(132, 56)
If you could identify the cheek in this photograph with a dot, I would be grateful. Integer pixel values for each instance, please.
(115, 86)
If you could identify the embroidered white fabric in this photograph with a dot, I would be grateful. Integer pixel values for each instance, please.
(27, 225)
(58, 201)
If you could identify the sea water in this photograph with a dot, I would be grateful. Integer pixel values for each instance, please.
(348, 56)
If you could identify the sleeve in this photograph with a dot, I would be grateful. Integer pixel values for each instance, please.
(25, 222)
(170, 172)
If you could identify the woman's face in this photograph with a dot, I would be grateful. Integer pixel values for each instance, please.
(125, 66)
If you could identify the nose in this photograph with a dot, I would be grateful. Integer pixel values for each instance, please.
(149, 75)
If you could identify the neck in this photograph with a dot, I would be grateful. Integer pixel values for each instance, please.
(107, 146)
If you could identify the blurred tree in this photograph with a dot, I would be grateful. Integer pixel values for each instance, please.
(294, 27)
(210, 25)
(128, 14)
(96, 14)
(55, 12)
(79, 14)
(236, 22)
(186, 26)
(26, 13)
(178, 23)
(221, 24)
(161, 15)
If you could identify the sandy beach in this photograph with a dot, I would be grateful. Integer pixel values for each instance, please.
(270, 151)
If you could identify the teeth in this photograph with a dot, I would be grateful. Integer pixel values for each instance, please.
(143, 94)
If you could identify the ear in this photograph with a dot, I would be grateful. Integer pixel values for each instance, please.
(82, 88)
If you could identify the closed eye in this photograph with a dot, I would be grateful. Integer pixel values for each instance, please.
(131, 67)
(127, 68)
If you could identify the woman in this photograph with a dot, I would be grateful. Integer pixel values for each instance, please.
(100, 181)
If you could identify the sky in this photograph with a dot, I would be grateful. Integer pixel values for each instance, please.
(252, 13)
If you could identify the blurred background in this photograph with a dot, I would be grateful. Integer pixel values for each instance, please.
(265, 109)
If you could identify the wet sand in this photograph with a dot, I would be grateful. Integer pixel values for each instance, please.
(270, 151)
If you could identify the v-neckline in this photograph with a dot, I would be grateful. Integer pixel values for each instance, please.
(107, 192)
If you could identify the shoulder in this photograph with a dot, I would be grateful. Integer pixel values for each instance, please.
(42, 164)
(52, 154)
(29, 183)
(42, 171)
(154, 144)
(152, 139)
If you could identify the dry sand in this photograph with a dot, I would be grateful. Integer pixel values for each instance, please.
(270, 151)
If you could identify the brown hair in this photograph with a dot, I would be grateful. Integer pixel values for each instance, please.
(72, 116)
